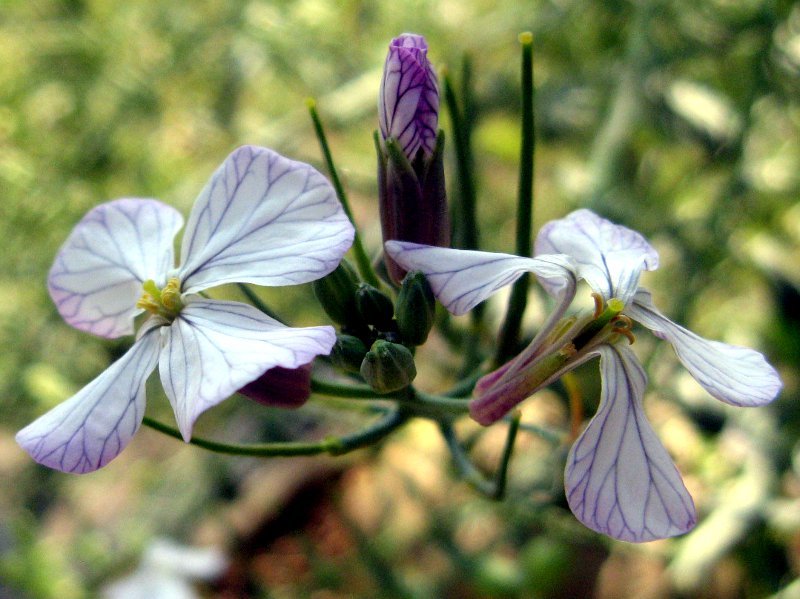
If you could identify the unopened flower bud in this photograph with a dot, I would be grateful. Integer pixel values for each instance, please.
(375, 307)
(281, 387)
(348, 353)
(416, 308)
(388, 366)
(411, 186)
(408, 100)
(336, 293)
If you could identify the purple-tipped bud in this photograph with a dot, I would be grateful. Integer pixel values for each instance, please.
(411, 186)
(408, 102)
(281, 387)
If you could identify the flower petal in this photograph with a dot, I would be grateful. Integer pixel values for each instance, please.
(610, 257)
(97, 276)
(216, 347)
(461, 279)
(736, 375)
(263, 219)
(619, 479)
(91, 428)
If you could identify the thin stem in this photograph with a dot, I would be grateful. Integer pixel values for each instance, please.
(362, 259)
(502, 470)
(344, 390)
(509, 333)
(466, 469)
(258, 302)
(467, 236)
(369, 435)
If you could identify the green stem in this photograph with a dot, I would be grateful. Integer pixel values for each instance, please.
(467, 237)
(362, 259)
(466, 469)
(258, 302)
(344, 390)
(502, 470)
(509, 334)
(369, 435)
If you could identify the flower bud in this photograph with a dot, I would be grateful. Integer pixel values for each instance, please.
(336, 293)
(281, 387)
(388, 366)
(348, 353)
(408, 100)
(416, 308)
(411, 186)
(375, 307)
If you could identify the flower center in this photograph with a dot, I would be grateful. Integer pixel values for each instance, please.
(607, 324)
(164, 302)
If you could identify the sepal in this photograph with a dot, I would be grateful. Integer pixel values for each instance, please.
(388, 367)
(416, 309)
(336, 293)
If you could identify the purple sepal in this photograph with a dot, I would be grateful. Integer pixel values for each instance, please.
(281, 387)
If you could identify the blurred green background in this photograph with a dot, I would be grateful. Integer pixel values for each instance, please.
(677, 118)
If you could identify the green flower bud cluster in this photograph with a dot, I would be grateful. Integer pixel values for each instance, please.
(377, 335)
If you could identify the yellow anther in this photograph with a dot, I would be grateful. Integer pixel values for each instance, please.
(171, 295)
(164, 302)
(599, 305)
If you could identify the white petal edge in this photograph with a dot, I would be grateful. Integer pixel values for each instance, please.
(610, 257)
(216, 347)
(735, 375)
(461, 279)
(619, 479)
(91, 428)
(263, 219)
(97, 275)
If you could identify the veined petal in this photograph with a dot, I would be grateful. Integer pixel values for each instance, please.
(215, 347)
(91, 428)
(97, 276)
(610, 257)
(736, 375)
(619, 479)
(461, 279)
(263, 219)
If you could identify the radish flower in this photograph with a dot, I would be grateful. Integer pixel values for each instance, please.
(261, 219)
(620, 480)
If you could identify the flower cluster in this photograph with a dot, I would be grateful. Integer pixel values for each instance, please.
(266, 220)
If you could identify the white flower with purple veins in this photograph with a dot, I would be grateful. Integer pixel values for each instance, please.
(408, 100)
(619, 478)
(261, 219)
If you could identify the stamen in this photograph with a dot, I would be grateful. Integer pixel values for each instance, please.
(623, 325)
(171, 295)
(164, 302)
(599, 305)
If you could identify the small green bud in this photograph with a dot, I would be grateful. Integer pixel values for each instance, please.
(375, 307)
(416, 308)
(336, 293)
(388, 366)
(348, 353)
